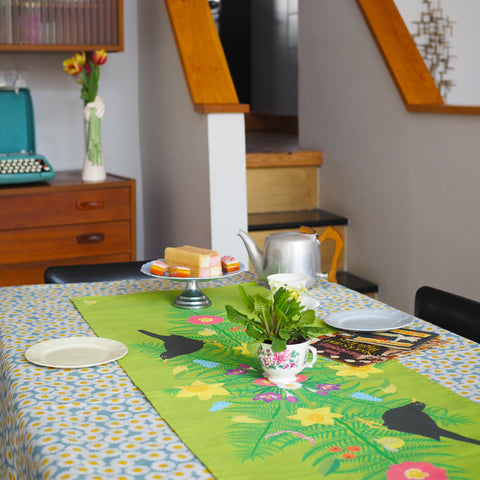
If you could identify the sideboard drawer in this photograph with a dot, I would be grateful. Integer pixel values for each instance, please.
(65, 221)
(30, 245)
(65, 208)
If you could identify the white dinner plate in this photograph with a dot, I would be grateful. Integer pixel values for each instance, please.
(369, 320)
(75, 352)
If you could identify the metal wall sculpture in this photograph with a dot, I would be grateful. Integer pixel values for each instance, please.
(433, 34)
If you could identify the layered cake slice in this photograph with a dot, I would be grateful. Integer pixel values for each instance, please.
(159, 268)
(202, 262)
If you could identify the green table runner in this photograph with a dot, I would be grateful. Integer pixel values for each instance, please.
(336, 421)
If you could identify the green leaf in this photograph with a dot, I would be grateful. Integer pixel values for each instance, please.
(247, 300)
(235, 316)
(328, 466)
(262, 306)
(278, 344)
(255, 332)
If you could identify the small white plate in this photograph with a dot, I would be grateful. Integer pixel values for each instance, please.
(369, 320)
(145, 268)
(75, 352)
(309, 302)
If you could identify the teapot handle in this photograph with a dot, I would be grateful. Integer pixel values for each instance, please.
(331, 233)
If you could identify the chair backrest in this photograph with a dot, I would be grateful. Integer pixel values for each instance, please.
(452, 312)
(98, 272)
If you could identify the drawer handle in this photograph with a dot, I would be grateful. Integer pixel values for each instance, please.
(90, 205)
(90, 238)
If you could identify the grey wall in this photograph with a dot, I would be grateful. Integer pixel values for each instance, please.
(186, 156)
(408, 182)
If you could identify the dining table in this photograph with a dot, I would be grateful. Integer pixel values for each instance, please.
(187, 399)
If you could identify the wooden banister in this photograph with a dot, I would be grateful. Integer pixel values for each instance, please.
(414, 82)
(203, 59)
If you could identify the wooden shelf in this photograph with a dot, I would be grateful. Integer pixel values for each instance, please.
(35, 27)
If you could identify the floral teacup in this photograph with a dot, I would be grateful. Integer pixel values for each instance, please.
(282, 367)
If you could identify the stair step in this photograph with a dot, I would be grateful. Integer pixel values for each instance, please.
(293, 219)
(273, 149)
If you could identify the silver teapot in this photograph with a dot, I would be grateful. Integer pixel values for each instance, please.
(293, 252)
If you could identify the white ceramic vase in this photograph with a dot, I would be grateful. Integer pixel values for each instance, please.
(281, 368)
(93, 163)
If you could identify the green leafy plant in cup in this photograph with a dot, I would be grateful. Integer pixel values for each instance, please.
(277, 318)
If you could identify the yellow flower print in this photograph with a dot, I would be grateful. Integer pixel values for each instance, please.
(207, 332)
(243, 349)
(391, 443)
(309, 416)
(203, 391)
(350, 371)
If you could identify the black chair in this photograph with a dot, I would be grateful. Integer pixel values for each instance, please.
(452, 312)
(98, 272)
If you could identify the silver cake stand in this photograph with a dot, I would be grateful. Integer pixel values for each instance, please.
(191, 297)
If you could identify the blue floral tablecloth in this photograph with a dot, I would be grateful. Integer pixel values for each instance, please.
(95, 423)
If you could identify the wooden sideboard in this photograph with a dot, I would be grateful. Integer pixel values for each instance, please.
(64, 222)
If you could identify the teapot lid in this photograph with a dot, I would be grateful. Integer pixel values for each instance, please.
(292, 236)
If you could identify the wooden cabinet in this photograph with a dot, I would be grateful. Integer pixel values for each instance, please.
(61, 25)
(64, 221)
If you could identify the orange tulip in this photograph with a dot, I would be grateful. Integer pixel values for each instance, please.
(99, 57)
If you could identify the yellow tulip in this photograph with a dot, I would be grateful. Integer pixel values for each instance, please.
(80, 58)
(71, 66)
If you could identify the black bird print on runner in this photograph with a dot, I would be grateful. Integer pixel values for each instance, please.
(176, 345)
(411, 418)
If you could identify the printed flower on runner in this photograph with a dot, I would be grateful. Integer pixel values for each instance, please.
(312, 416)
(205, 320)
(236, 371)
(268, 397)
(416, 471)
(263, 382)
(204, 391)
(350, 371)
(326, 388)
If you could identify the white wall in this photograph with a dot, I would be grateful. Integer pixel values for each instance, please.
(193, 164)
(408, 182)
(58, 109)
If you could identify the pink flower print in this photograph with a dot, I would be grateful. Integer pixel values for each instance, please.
(263, 382)
(300, 378)
(326, 388)
(205, 319)
(268, 397)
(417, 471)
(283, 356)
(291, 398)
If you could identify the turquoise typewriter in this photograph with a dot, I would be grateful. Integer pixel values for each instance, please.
(19, 162)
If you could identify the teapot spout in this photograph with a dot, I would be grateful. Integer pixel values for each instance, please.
(254, 253)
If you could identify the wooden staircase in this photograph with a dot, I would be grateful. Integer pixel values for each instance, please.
(282, 190)
(282, 179)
